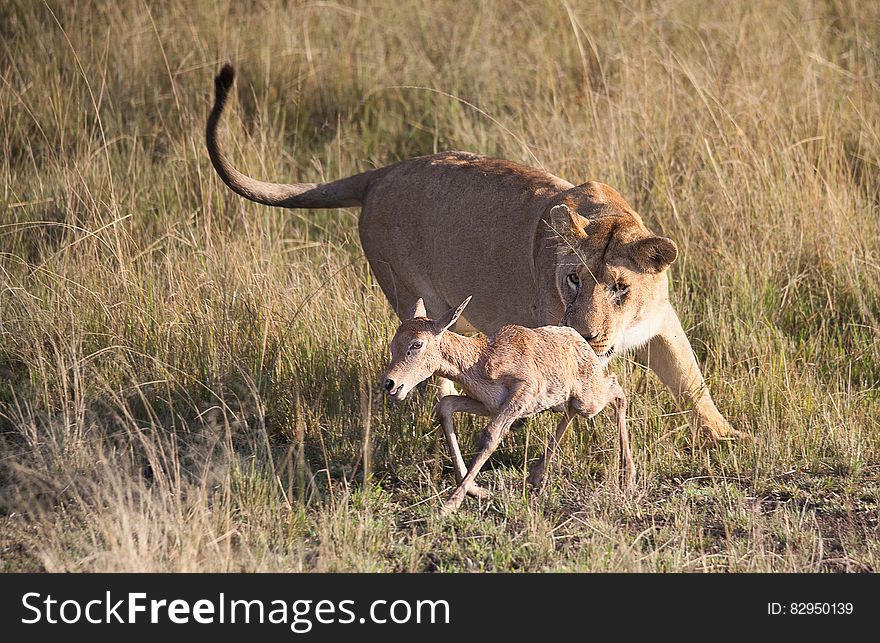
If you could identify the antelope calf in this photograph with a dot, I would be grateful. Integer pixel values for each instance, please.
(514, 373)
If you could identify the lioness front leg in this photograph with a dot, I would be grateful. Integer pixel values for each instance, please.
(670, 356)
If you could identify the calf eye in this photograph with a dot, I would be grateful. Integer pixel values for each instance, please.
(416, 345)
(573, 280)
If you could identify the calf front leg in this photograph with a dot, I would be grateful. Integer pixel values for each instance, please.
(494, 434)
(448, 405)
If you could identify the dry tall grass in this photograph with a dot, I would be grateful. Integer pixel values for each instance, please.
(186, 377)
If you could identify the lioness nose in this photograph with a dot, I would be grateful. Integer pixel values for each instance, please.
(389, 384)
(591, 337)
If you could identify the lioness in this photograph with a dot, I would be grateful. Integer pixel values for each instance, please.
(532, 249)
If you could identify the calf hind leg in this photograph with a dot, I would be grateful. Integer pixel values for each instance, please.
(618, 401)
(539, 468)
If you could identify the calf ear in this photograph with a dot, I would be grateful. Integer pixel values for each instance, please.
(653, 254)
(451, 316)
(567, 223)
(418, 310)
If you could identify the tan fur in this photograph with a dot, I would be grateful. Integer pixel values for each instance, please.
(456, 223)
(515, 373)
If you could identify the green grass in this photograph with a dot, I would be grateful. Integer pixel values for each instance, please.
(187, 379)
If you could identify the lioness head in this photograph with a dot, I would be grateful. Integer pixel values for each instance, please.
(610, 270)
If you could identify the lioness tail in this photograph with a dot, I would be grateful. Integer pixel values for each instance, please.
(337, 194)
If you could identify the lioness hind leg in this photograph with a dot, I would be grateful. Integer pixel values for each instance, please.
(447, 387)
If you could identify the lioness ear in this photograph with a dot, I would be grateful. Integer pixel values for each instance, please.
(418, 310)
(450, 317)
(654, 254)
(566, 222)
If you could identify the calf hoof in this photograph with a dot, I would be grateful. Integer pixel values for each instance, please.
(475, 491)
(451, 505)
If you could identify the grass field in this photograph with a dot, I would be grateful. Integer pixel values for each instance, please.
(187, 379)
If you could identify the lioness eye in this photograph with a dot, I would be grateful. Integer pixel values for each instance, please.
(573, 279)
